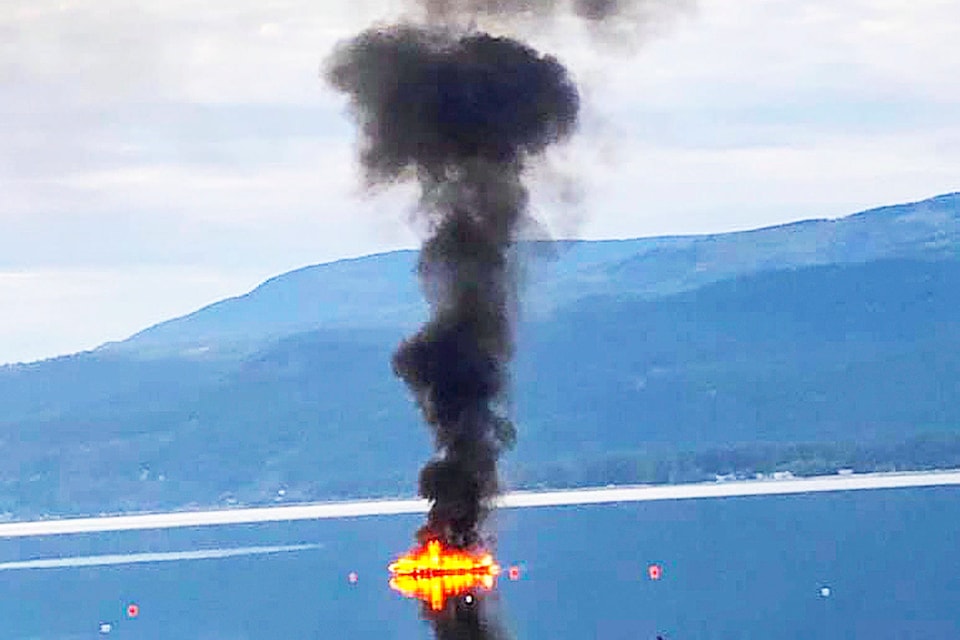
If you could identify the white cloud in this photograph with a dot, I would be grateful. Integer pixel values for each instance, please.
(738, 188)
(197, 134)
(50, 312)
(217, 51)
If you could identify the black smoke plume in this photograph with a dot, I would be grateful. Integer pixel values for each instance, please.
(466, 618)
(462, 114)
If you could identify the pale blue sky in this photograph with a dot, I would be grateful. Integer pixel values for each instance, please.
(157, 155)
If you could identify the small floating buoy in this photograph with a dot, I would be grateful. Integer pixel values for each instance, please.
(655, 571)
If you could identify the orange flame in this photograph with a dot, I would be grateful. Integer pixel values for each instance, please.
(434, 573)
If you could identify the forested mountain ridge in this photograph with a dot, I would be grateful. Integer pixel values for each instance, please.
(805, 347)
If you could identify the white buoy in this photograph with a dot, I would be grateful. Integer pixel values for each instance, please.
(825, 592)
(105, 628)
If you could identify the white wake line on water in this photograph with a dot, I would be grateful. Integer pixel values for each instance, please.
(521, 499)
(138, 558)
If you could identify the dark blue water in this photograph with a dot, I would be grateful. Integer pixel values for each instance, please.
(735, 568)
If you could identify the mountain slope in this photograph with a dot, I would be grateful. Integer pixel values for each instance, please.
(637, 361)
(380, 291)
(855, 352)
(374, 291)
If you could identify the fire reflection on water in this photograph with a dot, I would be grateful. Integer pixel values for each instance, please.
(434, 573)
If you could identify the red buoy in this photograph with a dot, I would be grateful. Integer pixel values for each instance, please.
(655, 571)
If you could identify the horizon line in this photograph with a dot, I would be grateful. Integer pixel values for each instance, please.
(609, 494)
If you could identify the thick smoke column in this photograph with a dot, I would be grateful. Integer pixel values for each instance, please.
(462, 114)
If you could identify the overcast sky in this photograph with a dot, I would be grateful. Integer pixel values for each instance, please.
(158, 155)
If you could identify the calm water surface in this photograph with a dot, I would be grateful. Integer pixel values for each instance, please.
(734, 568)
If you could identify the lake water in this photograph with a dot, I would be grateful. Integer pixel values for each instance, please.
(733, 568)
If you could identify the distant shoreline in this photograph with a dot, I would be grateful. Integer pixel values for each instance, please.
(514, 500)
